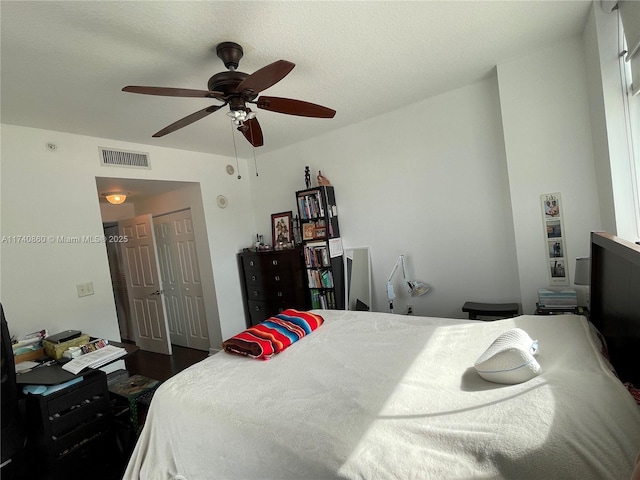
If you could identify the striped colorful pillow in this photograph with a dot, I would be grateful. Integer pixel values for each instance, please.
(274, 335)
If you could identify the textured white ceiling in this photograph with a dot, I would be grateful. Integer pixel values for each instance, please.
(63, 64)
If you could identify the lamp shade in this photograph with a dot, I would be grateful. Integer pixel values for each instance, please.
(583, 271)
(417, 288)
(115, 198)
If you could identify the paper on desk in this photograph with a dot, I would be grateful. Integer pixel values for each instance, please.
(25, 366)
(94, 359)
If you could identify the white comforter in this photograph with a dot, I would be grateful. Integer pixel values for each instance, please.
(379, 396)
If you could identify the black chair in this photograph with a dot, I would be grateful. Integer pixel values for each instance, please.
(13, 434)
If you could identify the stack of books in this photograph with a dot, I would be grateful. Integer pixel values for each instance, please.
(557, 301)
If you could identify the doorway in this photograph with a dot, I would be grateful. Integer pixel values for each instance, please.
(184, 261)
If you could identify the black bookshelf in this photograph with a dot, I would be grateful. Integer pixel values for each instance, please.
(321, 247)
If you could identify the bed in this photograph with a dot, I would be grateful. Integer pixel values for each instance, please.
(381, 396)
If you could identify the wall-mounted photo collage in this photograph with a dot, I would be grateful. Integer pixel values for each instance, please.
(557, 265)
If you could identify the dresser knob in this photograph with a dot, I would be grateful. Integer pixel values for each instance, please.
(274, 262)
(279, 294)
(251, 263)
(257, 307)
(256, 293)
(277, 278)
(253, 277)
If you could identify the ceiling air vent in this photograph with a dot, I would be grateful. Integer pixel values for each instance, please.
(123, 158)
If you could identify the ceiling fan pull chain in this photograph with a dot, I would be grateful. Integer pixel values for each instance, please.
(235, 150)
(254, 160)
(255, 163)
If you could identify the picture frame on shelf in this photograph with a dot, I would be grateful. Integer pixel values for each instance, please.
(282, 228)
(308, 230)
(319, 232)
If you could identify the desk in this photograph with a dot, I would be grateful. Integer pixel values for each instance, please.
(55, 374)
(70, 429)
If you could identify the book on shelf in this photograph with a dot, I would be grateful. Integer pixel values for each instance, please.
(310, 205)
(323, 299)
(320, 279)
(316, 255)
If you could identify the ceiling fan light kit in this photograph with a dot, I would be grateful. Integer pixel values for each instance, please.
(237, 89)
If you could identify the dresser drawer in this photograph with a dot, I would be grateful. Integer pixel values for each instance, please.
(268, 277)
(271, 293)
(251, 262)
(260, 311)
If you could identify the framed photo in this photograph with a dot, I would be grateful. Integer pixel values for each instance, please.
(281, 228)
(319, 232)
(308, 230)
(553, 224)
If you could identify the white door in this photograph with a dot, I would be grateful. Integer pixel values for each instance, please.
(170, 284)
(190, 320)
(143, 284)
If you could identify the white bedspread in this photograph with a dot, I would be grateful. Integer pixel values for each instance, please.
(379, 396)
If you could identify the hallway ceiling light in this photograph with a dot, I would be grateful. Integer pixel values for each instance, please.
(115, 198)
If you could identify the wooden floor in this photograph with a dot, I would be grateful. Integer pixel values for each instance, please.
(162, 367)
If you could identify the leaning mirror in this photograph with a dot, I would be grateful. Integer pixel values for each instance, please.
(358, 278)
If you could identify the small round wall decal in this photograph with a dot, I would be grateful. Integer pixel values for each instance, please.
(222, 201)
(230, 169)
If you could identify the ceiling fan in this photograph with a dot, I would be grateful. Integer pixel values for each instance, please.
(237, 89)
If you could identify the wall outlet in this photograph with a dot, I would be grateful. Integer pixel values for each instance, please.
(409, 309)
(84, 289)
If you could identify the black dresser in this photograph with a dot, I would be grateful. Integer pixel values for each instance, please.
(272, 282)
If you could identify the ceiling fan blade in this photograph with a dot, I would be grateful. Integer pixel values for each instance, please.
(266, 77)
(172, 92)
(188, 120)
(252, 132)
(294, 107)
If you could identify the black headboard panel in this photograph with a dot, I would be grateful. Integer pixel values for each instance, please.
(615, 301)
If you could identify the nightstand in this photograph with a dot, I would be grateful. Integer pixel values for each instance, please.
(562, 311)
(496, 310)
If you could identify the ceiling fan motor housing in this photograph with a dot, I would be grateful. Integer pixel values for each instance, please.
(230, 53)
(226, 82)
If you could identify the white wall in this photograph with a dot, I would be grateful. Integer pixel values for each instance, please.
(610, 141)
(52, 193)
(545, 113)
(452, 182)
(428, 181)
